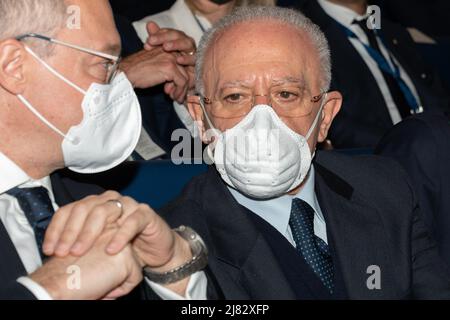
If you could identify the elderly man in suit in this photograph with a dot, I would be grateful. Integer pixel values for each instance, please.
(65, 103)
(280, 220)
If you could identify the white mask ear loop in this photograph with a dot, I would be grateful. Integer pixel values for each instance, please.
(35, 112)
(202, 105)
(45, 121)
(211, 147)
(54, 72)
(316, 121)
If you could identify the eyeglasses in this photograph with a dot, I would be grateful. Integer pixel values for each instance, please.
(111, 67)
(290, 104)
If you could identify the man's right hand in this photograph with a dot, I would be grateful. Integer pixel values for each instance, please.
(101, 276)
(146, 69)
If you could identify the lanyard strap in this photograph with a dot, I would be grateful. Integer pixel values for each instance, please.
(199, 23)
(384, 65)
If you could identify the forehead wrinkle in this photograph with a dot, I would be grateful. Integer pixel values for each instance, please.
(287, 80)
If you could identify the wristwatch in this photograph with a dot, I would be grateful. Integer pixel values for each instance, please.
(199, 260)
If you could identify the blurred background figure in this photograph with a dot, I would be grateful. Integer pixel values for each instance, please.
(193, 17)
(421, 144)
(427, 22)
(160, 75)
(380, 72)
(428, 16)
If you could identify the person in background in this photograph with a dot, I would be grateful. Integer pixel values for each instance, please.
(166, 66)
(193, 17)
(421, 145)
(379, 71)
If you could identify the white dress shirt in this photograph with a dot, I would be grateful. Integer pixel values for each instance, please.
(179, 17)
(22, 234)
(277, 212)
(16, 223)
(345, 17)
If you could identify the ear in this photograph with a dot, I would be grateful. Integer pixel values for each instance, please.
(12, 58)
(330, 110)
(196, 112)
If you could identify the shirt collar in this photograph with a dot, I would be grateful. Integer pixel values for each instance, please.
(341, 14)
(11, 176)
(277, 212)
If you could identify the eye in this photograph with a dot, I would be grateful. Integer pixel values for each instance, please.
(234, 98)
(287, 96)
(107, 65)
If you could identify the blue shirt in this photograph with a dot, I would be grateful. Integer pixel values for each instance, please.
(277, 212)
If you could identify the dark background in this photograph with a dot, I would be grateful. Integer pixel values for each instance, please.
(138, 9)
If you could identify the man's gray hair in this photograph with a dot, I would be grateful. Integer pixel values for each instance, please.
(289, 17)
(19, 17)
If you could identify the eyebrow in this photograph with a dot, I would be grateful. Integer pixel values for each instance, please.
(278, 81)
(112, 49)
(237, 83)
(285, 80)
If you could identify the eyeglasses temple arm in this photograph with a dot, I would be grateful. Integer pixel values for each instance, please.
(96, 53)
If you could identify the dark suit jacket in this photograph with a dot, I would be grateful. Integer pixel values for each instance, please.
(370, 211)
(421, 145)
(66, 191)
(364, 117)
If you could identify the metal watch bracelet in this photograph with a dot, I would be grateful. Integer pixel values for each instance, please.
(199, 260)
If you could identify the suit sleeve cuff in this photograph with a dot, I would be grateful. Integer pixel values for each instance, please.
(196, 289)
(39, 292)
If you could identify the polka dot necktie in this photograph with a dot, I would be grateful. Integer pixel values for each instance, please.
(37, 206)
(313, 249)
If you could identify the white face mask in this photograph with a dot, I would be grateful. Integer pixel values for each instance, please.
(109, 131)
(261, 156)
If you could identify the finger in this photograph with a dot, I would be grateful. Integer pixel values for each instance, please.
(55, 229)
(169, 35)
(100, 216)
(180, 79)
(130, 206)
(169, 88)
(191, 74)
(75, 223)
(152, 29)
(187, 60)
(184, 44)
(58, 224)
(134, 225)
(181, 87)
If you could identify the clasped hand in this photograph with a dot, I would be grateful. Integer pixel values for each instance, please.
(110, 238)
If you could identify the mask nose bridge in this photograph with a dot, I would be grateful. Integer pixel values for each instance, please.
(257, 99)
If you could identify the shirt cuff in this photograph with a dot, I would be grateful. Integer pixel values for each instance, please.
(38, 291)
(196, 289)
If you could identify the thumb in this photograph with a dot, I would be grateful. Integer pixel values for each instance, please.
(152, 29)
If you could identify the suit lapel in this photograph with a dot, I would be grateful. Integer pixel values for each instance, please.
(250, 263)
(62, 195)
(11, 267)
(357, 233)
